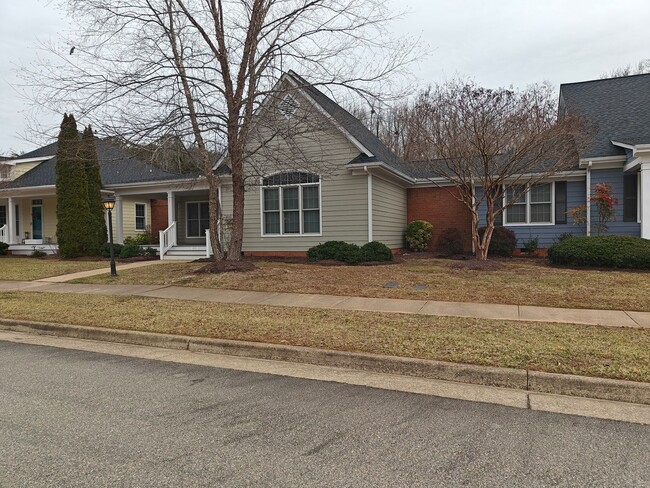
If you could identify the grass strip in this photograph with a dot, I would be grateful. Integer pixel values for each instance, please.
(514, 281)
(606, 352)
(27, 268)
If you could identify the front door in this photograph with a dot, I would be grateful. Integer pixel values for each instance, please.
(37, 222)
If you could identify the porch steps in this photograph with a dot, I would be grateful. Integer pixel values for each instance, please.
(185, 253)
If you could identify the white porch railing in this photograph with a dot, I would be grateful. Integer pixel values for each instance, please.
(167, 239)
(4, 234)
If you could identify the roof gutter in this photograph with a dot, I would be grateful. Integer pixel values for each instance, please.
(382, 165)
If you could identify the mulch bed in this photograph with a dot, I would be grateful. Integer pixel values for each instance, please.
(214, 267)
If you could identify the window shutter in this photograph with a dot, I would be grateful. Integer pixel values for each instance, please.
(630, 197)
(560, 202)
(498, 218)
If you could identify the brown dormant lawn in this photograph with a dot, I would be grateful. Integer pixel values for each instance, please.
(561, 348)
(28, 268)
(515, 281)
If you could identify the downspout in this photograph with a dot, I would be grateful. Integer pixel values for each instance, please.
(365, 168)
(589, 199)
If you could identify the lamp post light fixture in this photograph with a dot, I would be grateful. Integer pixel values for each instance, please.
(109, 205)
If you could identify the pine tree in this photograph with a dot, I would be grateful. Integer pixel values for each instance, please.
(72, 209)
(97, 232)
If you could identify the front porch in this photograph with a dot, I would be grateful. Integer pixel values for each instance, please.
(28, 223)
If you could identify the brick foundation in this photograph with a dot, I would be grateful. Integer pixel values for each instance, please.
(440, 207)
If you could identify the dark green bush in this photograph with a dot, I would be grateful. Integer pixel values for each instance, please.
(131, 248)
(418, 235)
(602, 251)
(38, 253)
(151, 252)
(106, 250)
(376, 251)
(450, 242)
(336, 250)
(531, 245)
(4, 249)
(503, 241)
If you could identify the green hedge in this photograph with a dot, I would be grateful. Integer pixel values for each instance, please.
(602, 252)
(350, 253)
(4, 249)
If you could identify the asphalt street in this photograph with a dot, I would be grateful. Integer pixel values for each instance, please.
(73, 418)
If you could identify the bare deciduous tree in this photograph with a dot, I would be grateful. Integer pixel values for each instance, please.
(494, 140)
(200, 70)
(641, 68)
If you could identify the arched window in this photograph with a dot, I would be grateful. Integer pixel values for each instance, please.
(291, 204)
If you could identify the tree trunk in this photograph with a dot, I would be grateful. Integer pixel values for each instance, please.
(237, 235)
(215, 219)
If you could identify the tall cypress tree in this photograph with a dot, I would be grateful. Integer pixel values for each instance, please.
(97, 232)
(72, 209)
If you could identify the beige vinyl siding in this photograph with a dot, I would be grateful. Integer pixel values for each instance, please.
(128, 215)
(49, 216)
(317, 147)
(388, 213)
(344, 208)
(21, 168)
(181, 219)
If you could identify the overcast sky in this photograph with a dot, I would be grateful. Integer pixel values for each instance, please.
(497, 43)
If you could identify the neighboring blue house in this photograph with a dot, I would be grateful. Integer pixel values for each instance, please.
(618, 153)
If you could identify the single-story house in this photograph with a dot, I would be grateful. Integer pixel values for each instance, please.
(338, 181)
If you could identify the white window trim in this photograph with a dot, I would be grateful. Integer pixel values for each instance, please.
(135, 216)
(187, 218)
(528, 223)
(300, 209)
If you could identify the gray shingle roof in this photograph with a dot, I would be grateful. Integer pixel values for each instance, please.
(617, 108)
(353, 126)
(116, 168)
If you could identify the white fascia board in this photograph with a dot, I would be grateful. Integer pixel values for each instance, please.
(432, 182)
(622, 144)
(609, 161)
(187, 182)
(384, 166)
(349, 136)
(632, 165)
(28, 191)
(13, 162)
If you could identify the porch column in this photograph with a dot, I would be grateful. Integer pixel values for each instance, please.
(171, 208)
(11, 220)
(645, 200)
(119, 219)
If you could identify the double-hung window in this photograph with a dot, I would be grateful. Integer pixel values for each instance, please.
(529, 205)
(140, 216)
(291, 204)
(198, 218)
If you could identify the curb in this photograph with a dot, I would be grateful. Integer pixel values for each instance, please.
(532, 381)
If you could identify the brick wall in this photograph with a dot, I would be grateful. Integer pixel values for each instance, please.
(440, 207)
(158, 215)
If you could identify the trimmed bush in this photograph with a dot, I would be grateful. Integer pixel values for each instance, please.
(418, 235)
(131, 248)
(503, 241)
(450, 242)
(336, 250)
(376, 251)
(602, 252)
(106, 250)
(531, 245)
(4, 249)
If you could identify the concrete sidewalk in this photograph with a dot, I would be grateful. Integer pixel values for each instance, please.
(611, 318)
(94, 272)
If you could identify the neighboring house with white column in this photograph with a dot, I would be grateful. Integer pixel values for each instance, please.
(28, 200)
(617, 153)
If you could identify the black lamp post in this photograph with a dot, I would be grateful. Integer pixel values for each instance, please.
(109, 204)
